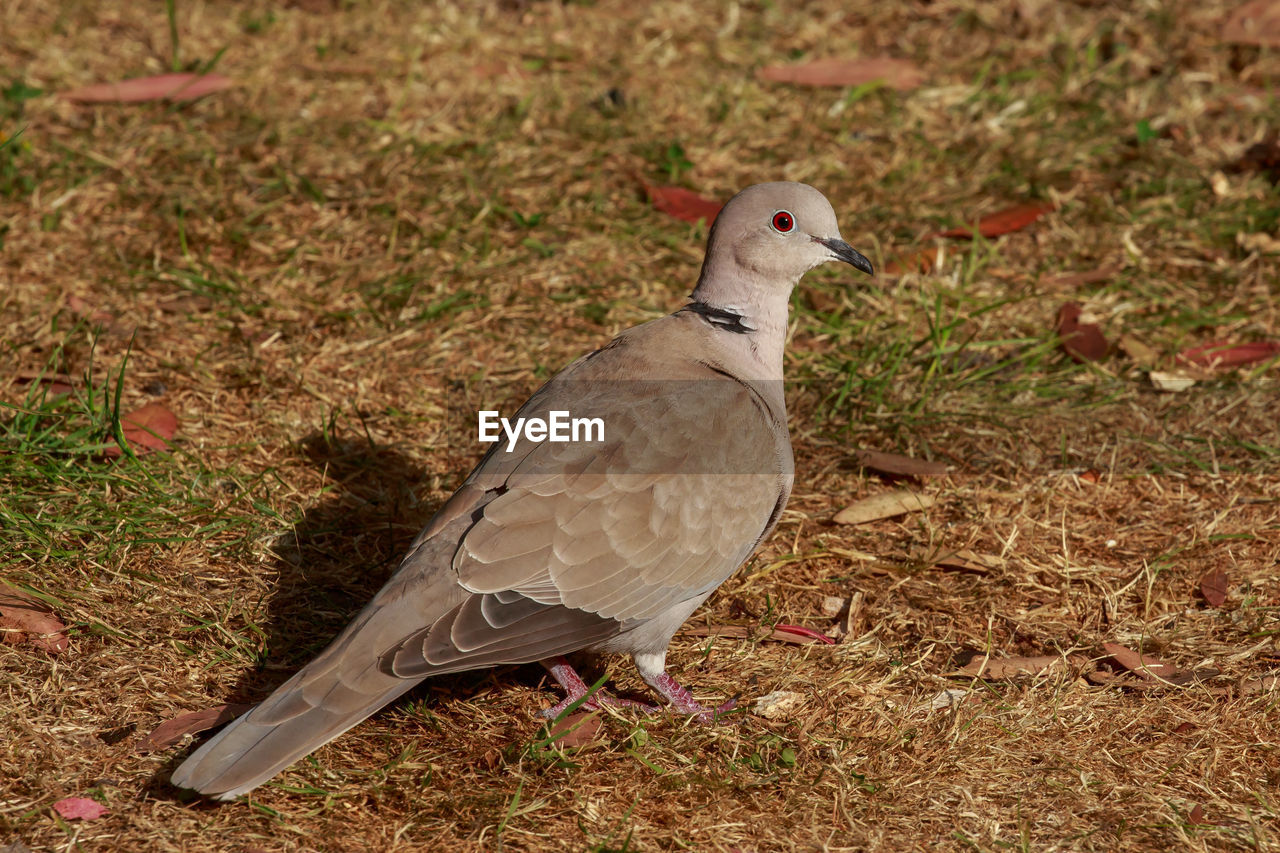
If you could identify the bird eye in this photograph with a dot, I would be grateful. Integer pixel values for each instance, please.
(783, 222)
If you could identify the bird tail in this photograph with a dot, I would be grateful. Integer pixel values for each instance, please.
(345, 684)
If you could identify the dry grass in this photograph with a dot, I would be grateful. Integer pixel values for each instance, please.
(400, 210)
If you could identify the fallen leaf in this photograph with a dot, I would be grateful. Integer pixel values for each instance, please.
(1213, 587)
(779, 705)
(982, 666)
(1081, 341)
(79, 808)
(148, 428)
(55, 384)
(899, 74)
(797, 635)
(1091, 476)
(898, 465)
(683, 204)
(1078, 279)
(885, 505)
(576, 729)
(1141, 665)
(1185, 728)
(1256, 23)
(802, 631)
(1197, 818)
(833, 605)
(1002, 221)
(24, 618)
(1258, 685)
(1144, 355)
(1223, 354)
(1171, 382)
(173, 730)
(972, 562)
(949, 698)
(162, 87)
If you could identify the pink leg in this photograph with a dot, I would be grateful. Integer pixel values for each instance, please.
(575, 688)
(682, 700)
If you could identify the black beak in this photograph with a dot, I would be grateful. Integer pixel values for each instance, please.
(844, 252)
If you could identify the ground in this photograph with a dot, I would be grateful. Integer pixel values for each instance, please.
(401, 210)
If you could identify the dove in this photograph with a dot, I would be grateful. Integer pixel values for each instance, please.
(604, 546)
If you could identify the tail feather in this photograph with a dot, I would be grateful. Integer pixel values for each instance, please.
(247, 752)
(334, 692)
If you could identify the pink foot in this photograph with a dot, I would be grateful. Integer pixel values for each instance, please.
(575, 688)
(682, 701)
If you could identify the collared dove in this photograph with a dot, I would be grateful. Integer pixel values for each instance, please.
(607, 546)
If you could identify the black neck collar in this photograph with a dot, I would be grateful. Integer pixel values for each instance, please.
(721, 318)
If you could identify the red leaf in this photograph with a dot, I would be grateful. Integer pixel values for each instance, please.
(24, 618)
(1213, 587)
(1255, 23)
(79, 808)
(1143, 665)
(899, 74)
(146, 429)
(576, 729)
(1002, 221)
(171, 731)
(162, 87)
(1197, 818)
(1081, 341)
(683, 204)
(801, 631)
(1223, 354)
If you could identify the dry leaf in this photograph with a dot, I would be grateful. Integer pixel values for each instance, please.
(833, 605)
(982, 666)
(1002, 221)
(24, 618)
(79, 808)
(779, 705)
(899, 466)
(1222, 354)
(162, 87)
(171, 731)
(1197, 818)
(1213, 587)
(899, 74)
(949, 698)
(1256, 23)
(782, 633)
(1171, 382)
(1258, 685)
(1078, 279)
(885, 505)
(972, 562)
(683, 204)
(1138, 351)
(146, 429)
(576, 729)
(1141, 665)
(1081, 341)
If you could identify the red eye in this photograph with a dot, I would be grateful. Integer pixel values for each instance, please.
(783, 222)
